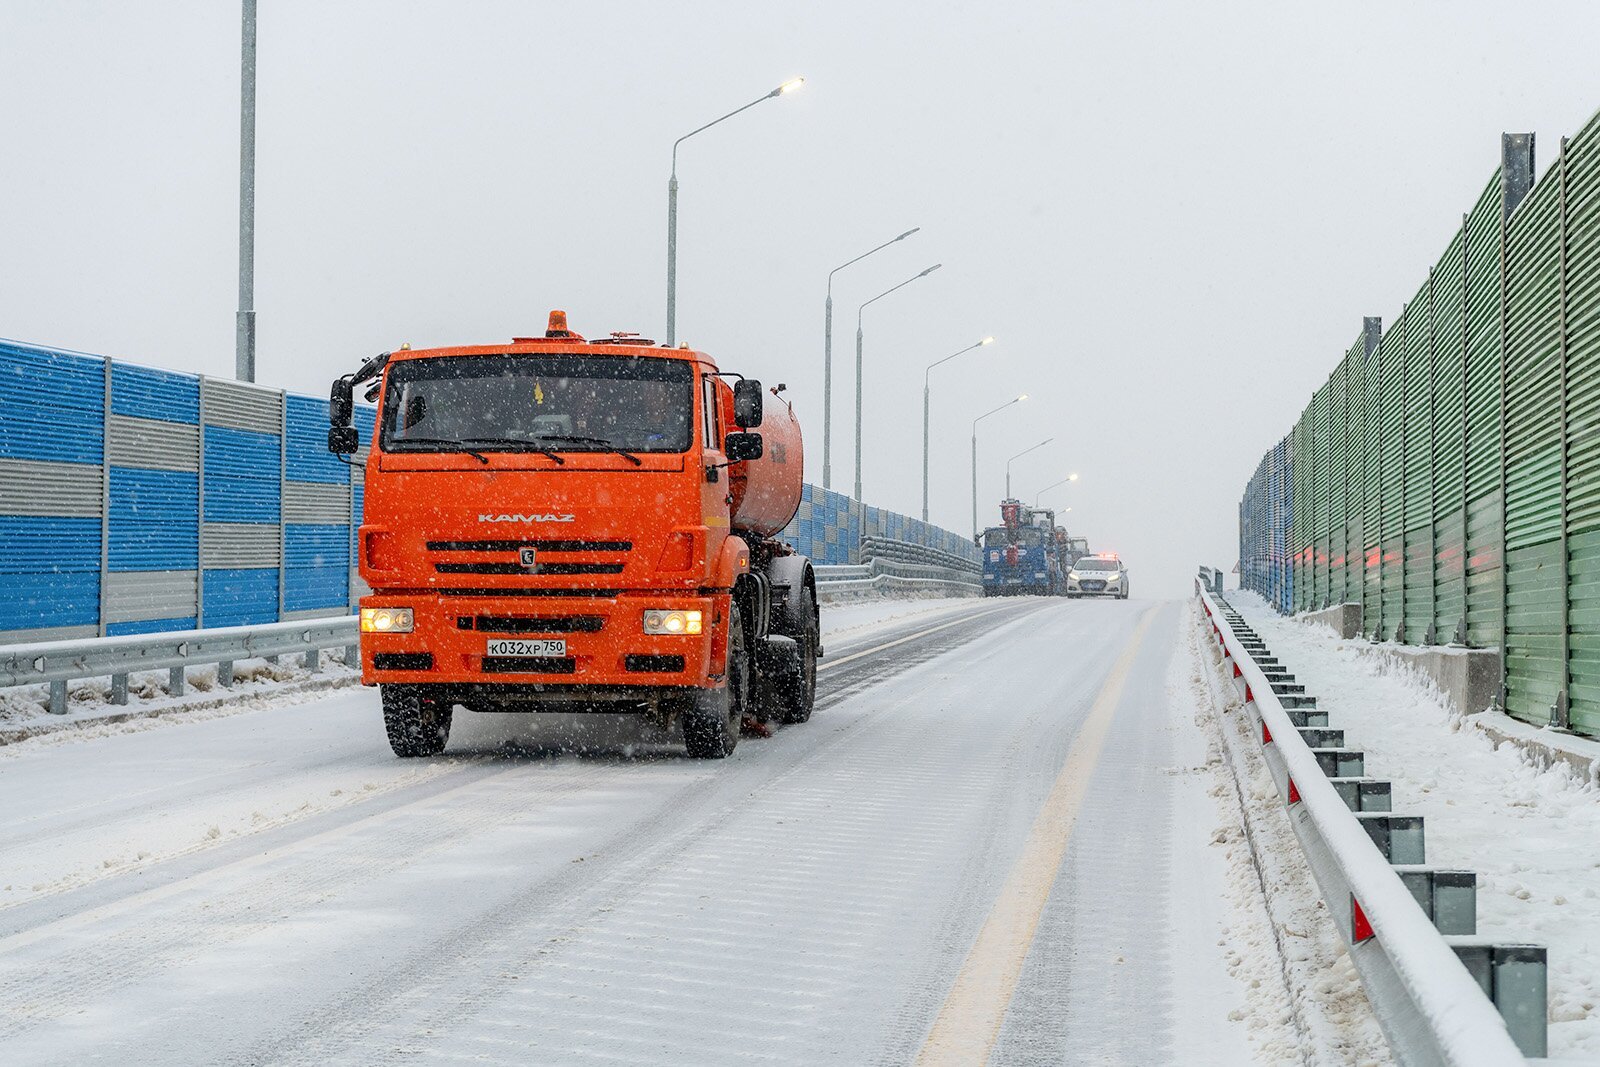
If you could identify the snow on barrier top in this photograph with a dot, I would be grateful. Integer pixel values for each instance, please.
(1430, 1008)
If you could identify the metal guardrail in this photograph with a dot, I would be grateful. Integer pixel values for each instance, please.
(58, 662)
(55, 663)
(1432, 1009)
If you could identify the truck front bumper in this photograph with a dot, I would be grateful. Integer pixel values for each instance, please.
(606, 646)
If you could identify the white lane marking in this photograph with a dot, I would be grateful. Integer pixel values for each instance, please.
(831, 663)
(968, 1023)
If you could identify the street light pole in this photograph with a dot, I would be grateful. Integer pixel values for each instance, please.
(1019, 455)
(980, 418)
(925, 373)
(859, 312)
(1052, 485)
(672, 204)
(827, 361)
(244, 340)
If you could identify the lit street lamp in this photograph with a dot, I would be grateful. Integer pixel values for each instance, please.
(975, 422)
(1052, 485)
(1019, 455)
(827, 361)
(672, 204)
(925, 373)
(859, 311)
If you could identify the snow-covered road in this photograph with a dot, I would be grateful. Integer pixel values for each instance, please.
(273, 886)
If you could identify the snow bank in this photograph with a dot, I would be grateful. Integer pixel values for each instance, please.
(1532, 834)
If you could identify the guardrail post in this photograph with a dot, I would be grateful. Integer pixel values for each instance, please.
(176, 682)
(1398, 837)
(313, 660)
(1515, 979)
(225, 674)
(58, 698)
(1450, 898)
(119, 688)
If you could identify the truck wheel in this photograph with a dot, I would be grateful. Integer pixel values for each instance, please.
(798, 698)
(711, 722)
(417, 725)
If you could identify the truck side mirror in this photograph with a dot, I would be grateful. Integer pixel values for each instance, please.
(747, 403)
(343, 440)
(739, 447)
(341, 402)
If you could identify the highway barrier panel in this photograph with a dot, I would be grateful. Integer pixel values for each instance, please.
(1441, 995)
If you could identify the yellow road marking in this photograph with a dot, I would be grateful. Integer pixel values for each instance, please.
(831, 663)
(968, 1024)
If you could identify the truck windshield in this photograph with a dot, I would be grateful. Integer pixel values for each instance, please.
(1030, 536)
(510, 403)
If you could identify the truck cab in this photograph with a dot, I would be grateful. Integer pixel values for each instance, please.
(557, 524)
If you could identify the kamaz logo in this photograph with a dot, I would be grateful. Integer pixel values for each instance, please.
(527, 518)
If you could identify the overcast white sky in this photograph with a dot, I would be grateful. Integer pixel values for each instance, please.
(1172, 215)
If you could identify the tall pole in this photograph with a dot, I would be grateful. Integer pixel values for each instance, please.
(925, 375)
(859, 312)
(244, 354)
(672, 252)
(858, 409)
(980, 418)
(827, 391)
(1018, 456)
(672, 204)
(827, 359)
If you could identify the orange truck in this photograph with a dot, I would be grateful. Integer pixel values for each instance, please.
(558, 524)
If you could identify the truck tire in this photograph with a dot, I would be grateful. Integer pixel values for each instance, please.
(712, 720)
(416, 725)
(798, 697)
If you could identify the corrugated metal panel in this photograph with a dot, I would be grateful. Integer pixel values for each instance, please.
(243, 407)
(238, 545)
(1320, 438)
(1483, 418)
(38, 487)
(1534, 669)
(1583, 424)
(1338, 458)
(51, 573)
(1391, 457)
(1372, 495)
(312, 502)
(146, 393)
(309, 458)
(150, 626)
(48, 633)
(151, 443)
(241, 475)
(241, 596)
(317, 565)
(1449, 432)
(140, 596)
(154, 520)
(54, 404)
(1419, 468)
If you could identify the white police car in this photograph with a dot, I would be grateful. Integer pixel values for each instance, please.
(1102, 575)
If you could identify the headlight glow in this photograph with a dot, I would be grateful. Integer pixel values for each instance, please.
(387, 620)
(672, 621)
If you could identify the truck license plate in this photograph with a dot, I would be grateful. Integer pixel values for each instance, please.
(545, 647)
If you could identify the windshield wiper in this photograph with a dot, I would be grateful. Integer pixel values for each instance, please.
(521, 444)
(479, 456)
(607, 445)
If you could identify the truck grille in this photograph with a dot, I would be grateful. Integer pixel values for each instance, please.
(512, 564)
(517, 568)
(547, 624)
(529, 665)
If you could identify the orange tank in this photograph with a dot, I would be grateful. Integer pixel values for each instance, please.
(766, 491)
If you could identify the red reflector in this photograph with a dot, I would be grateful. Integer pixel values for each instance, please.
(1249, 697)
(1360, 928)
(1266, 735)
(1236, 671)
(1294, 792)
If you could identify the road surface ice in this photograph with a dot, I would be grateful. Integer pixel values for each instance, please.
(273, 886)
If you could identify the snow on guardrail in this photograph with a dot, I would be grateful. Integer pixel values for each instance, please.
(1431, 1009)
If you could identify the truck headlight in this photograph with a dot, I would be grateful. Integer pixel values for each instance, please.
(672, 621)
(387, 620)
